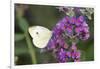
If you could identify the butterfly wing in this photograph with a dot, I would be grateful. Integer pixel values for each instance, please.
(40, 35)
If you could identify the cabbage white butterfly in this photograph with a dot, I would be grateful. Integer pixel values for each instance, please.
(40, 35)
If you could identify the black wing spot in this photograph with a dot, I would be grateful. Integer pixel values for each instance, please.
(37, 33)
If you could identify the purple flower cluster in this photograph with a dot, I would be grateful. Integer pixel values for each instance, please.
(68, 55)
(68, 27)
(74, 26)
(75, 53)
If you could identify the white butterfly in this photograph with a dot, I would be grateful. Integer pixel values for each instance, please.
(40, 35)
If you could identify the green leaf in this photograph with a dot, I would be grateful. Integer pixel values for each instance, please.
(19, 37)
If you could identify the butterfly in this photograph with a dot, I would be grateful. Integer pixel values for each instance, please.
(40, 36)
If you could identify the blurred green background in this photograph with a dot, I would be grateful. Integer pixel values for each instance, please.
(30, 15)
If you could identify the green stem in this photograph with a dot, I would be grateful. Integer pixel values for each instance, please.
(23, 24)
(31, 49)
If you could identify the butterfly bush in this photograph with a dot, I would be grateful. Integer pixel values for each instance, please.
(70, 28)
